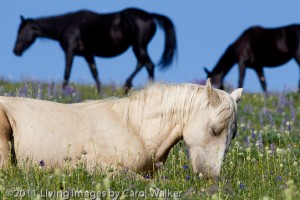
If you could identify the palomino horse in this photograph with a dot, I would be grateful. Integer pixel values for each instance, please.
(255, 48)
(133, 132)
(88, 34)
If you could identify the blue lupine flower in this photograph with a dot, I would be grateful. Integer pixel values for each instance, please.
(272, 147)
(278, 178)
(247, 141)
(187, 153)
(23, 91)
(185, 167)
(260, 140)
(253, 134)
(68, 91)
(42, 163)
(147, 176)
(242, 186)
(200, 82)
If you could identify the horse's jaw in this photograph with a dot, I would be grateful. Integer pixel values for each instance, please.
(207, 160)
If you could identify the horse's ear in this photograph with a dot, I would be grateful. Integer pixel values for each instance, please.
(22, 18)
(212, 95)
(207, 71)
(237, 94)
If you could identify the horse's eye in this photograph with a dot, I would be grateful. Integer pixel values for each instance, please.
(216, 129)
(213, 131)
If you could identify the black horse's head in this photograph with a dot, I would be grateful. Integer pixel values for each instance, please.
(27, 34)
(215, 78)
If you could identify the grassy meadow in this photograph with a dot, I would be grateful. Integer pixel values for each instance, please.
(263, 161)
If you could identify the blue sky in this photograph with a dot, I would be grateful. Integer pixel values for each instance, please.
(204, 30)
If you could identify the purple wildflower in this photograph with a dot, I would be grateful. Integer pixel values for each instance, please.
(260, 140)
(248, 108)
(23, 91)
(289, 126)
(292, 111)
(261, 119)
(271, 118)
(39, 91)
(247, 141)
(147, 176)
(278, 178)
(187, 153)
(200, 81)
(253, 135)
(185, 167)
(272, 148)
(242, 186)
(51, 89)
(42, 163)
(187, 177)
(69, 91)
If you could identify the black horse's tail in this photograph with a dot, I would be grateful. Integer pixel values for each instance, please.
(170, 40)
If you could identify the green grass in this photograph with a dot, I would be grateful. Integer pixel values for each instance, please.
(263, 161)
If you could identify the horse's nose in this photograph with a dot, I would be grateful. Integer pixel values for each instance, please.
(17, 53)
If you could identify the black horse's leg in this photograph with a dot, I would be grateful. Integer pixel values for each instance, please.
(128, 83)
(69, 62)
(298, 62)
(91, 62)
(149, 64)
(299, 80)
(143, 59)
(150, 70)
(260, 73)
(242, 70)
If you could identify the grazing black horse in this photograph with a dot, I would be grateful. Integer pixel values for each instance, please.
(258, 47)
(89, 34)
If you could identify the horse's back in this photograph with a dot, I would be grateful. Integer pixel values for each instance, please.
(260, 35)
(259, 46)
(111, 34)
(139, 21)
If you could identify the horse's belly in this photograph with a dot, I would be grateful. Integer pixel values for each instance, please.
(105, 47)
(111, 51)
(273, 60)
(277, 60)
(70, 140)
(41, 142)
(58, 134)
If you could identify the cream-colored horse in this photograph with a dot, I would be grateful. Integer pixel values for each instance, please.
(132, 132)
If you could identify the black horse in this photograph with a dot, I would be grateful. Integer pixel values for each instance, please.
(89, 34)
(258, 47)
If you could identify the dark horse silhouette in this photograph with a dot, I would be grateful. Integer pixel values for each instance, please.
(255, 48)
(89, 34)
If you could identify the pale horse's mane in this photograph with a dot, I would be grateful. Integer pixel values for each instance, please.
(176, 101)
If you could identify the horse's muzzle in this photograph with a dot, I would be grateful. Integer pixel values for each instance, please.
(17, 53)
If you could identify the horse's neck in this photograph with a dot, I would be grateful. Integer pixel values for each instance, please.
(157, 136)
(49, 28)
(226, 62)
